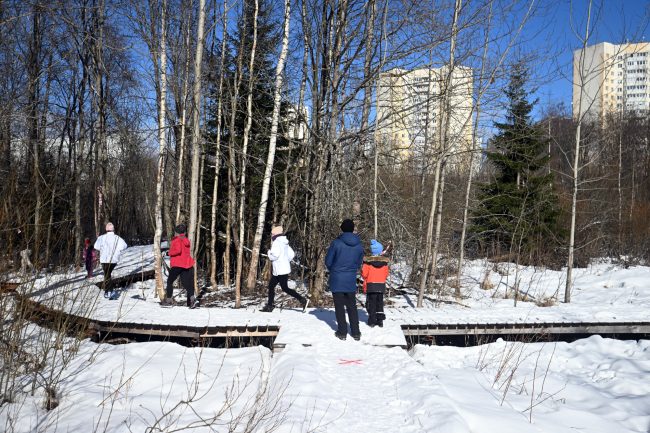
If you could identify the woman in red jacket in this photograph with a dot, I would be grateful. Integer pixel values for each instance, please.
(375, 273)
(182, 265)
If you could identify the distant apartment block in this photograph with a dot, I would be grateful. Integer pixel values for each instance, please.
(614, 79)
(409, 112)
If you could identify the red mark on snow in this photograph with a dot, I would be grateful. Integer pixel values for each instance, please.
(350, 361)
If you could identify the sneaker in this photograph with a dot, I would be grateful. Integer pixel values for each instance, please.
(357, 337)
(305, 304)
(114, 295)
(267, 308)
(340, 336)
(166, 302)
(194, 303)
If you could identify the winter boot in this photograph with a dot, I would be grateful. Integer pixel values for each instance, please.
(305, 304)
(340, 336)
(267, 308)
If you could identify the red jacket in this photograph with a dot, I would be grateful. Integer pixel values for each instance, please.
(374, 273)
(179, 251)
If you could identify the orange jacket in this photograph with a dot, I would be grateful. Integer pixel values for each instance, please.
(374, 273)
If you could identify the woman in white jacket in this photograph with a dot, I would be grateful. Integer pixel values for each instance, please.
(281, 255)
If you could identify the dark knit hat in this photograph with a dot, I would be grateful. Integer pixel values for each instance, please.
(180, 229)
(347, 226)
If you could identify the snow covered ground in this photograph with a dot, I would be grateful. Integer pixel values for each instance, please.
(591, 385)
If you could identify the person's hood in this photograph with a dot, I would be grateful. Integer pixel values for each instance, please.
(184, 240)
(282, 239)
(350, 239)
(376, 261)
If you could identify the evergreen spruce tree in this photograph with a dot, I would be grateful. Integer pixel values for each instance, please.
(518, 209)
(268, 38)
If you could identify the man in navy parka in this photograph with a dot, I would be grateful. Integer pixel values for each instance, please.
(344, 259)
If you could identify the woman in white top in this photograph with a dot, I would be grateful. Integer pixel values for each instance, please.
(110, 247)
(281, 255)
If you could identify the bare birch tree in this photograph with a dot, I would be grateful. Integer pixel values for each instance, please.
(217, 162)
(193, 230)
(244, 161)
(162, 150)
(576, 158)
(275, 118)
(440, 159)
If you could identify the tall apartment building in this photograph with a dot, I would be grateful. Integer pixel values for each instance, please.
(409, 111)
(614, 78)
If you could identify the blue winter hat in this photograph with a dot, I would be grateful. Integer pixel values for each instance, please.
(376, 248)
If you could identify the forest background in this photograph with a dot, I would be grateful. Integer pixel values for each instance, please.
(231, 116)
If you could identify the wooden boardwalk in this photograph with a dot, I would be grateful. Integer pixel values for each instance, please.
(140, 318)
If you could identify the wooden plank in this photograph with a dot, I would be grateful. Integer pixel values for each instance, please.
(239, 333)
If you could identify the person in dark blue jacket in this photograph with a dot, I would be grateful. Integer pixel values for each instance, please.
(344, 259)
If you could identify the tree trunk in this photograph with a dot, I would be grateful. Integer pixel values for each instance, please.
(242, 181)
(196, 131)
(266, 182)
(180, 204)
(99, 99)
(162, 131)
(232, 168)
(576, 167)
(217, 163)
(33, 79)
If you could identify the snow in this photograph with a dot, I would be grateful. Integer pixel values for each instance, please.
(318, 383)
(604, 292)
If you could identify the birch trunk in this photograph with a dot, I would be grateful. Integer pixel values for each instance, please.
(266, 182)
(217, 163)
(180, 190)
(162, 150)
(100, 107)
(232, 194)
(576, 162)
(444, 132)
(429, 236)
(442, 147)
(34, 72)
(79, 148)
(244, 162)
(196, 131)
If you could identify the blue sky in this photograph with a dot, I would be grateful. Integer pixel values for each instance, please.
(554, 39)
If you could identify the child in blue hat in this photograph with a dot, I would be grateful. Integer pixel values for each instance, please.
(375, 273)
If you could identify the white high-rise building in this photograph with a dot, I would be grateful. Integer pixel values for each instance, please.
(613, 78)
(409, 111)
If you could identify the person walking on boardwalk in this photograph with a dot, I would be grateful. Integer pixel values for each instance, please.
(374, 273)
(280, 256)
(110, 247)
(182, 265)
(343, 260)
(89, 257)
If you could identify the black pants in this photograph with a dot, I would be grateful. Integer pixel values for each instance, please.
(107, 284)
(346, 301)
(187, 281)
(282, 279)
(375, 306)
